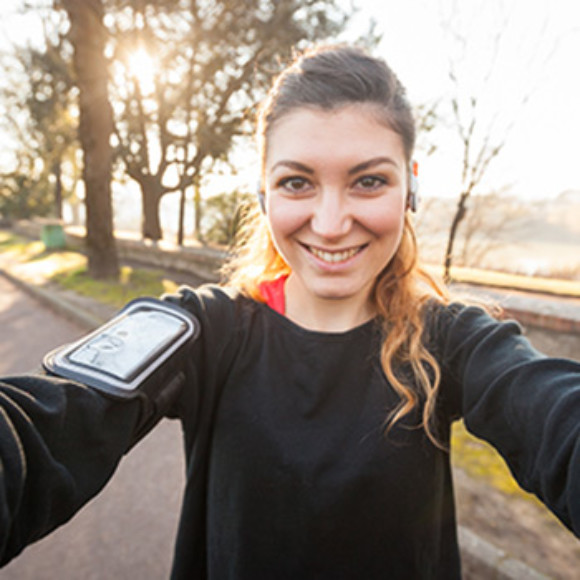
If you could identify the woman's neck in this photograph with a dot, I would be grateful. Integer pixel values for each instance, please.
(325, 314)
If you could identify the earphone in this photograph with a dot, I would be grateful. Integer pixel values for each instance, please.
(261, 197)
(412, 195)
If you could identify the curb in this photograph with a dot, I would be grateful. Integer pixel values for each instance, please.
(554, 313)
(541, 320)
(52, 300)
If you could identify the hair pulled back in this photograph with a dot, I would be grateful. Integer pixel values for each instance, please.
(331, 77)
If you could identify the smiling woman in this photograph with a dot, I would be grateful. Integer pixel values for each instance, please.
(317, 401)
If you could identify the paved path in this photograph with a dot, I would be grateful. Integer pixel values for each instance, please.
(27, 331)
(128, 531)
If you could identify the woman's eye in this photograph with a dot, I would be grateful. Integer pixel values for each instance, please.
(370, 182)
(294, 184)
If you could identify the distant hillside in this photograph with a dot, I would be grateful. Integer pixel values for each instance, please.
(504, 232)
(508, 218)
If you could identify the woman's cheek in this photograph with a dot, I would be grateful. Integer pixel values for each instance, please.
(383, 218)
(285, 217)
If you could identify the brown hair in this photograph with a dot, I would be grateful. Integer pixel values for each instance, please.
(329, 78)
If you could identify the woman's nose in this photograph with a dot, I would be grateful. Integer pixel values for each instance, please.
(331, 217)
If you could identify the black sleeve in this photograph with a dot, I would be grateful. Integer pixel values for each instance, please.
(523, 403)
(59, 444)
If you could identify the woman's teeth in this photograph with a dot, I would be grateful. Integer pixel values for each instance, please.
(334, 257)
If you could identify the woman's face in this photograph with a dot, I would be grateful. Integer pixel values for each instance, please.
(336, 184)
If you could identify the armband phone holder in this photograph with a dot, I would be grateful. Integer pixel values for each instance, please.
(134, 353)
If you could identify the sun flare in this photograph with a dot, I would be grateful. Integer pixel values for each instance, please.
(141, 66)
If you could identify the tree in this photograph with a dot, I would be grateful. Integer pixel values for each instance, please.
(38, 95)
(88, 38)
(49, 103)
(474, 167)
(223, 215)
(483, 127)
(493, 219)
(23, 193)
(203, 64)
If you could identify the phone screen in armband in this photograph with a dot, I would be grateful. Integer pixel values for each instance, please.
(122, 354)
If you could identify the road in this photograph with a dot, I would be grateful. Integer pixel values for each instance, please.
(128, 531)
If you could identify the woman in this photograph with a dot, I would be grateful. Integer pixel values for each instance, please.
(320, 393)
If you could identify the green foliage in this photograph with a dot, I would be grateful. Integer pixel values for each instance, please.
(132, 283)
(22, 196)
(222, 216)
(10, 242)
(40, 116)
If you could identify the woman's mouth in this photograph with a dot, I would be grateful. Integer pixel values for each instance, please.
(334, 257)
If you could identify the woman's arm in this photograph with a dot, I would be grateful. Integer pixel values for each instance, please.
(61, 439)
(59, 444)
(525, 404)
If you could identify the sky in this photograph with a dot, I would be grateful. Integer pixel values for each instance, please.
(517, 57)
(535, 60)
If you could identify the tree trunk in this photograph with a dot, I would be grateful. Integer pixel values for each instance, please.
(57, 172)
(88, 36)
(198, 212)
(181, 218)
(457, 219)
(151, 225)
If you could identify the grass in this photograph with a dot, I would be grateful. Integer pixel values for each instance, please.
(132, 283)
(481, 461)
(69, 269)
(20, 247)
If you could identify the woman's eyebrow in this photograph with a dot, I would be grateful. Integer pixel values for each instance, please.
(296, 165)
(372, 163)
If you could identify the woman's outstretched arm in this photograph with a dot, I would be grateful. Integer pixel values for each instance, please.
(60, 442)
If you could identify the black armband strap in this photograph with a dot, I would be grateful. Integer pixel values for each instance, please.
(136, 354)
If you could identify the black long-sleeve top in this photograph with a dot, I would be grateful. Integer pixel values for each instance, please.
(289, 471)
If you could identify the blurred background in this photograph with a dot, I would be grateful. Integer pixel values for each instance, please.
(492, 82)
